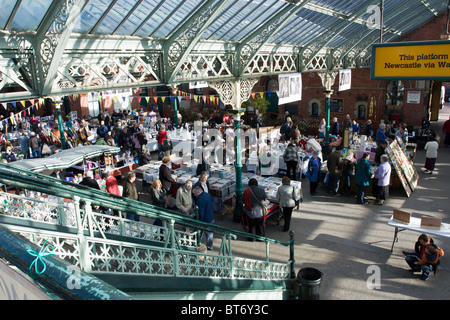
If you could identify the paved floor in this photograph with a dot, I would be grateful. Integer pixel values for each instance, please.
(347, 241)
(351, 243)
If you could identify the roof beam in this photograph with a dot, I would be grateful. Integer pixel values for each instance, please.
(156, 8)
(322, 40)
(13, 13)
(178, 47)
(52, 38)
(100, 20)
(249, 47)
(167, 18)
(127, 16)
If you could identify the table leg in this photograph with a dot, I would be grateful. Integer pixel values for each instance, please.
(395, 237)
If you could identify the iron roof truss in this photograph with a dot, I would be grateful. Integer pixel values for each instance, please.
(72, 46)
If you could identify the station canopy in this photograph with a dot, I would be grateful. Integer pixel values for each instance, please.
(50, 48)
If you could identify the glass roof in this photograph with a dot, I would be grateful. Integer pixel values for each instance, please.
(237, 20)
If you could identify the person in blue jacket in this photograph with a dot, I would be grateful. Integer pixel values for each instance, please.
(381, 134)
(335, 127)
(356, 127)
(205, 213)
(362, 177)
(313, 173)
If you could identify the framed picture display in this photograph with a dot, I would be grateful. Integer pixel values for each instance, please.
(396, 164)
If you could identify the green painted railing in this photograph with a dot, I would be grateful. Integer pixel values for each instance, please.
(88, 240)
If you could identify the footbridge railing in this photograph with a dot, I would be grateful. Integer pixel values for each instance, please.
(65, 214)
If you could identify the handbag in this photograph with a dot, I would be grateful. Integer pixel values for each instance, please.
(264, 207)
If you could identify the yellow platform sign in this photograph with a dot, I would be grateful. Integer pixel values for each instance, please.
(411, 60)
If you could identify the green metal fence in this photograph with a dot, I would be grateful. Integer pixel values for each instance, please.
(63, 213)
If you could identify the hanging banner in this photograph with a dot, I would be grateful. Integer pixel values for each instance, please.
(425, 60)
(198, 85)
(290, 87)
(345, 79)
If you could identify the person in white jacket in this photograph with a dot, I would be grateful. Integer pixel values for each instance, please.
(431, 147)
(286, 200)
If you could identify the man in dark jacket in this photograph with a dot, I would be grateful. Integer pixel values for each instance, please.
(130, 191)
(165, 176)
(102, 129)
(205, 213)
(335, 127)
(35, 144)
(125, 142)
(89, 181)
(334, 164)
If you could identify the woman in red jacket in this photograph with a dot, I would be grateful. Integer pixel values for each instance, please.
(162, 134)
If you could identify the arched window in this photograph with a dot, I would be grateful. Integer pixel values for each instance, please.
(361, 112)
(314, 109)
(394, 94)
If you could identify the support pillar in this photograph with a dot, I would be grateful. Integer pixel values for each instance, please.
(175, 104)
(60, 124)
(234, 93)
(239, 203)
(326, 148)
(175, 111)
(327, 81)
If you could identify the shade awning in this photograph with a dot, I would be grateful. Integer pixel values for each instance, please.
(64, 158)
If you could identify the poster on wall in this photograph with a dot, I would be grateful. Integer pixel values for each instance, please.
(345, 79)
(289, 88)
(413, 97)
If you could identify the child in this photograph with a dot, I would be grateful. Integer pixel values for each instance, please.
(429, 261)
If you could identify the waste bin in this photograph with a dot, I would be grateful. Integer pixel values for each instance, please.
(309, 280)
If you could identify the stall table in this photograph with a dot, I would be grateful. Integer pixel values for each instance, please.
(414, 225)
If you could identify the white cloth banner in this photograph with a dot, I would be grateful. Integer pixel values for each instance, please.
(290, 87)
(345, 79)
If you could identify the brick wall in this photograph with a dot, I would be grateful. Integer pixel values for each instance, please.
(364, 90)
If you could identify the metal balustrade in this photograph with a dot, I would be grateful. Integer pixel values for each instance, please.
(53, 210)
(64, 214)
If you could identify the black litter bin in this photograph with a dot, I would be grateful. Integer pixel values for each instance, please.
(309, 280)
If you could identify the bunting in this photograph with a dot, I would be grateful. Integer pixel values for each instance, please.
(207, 99)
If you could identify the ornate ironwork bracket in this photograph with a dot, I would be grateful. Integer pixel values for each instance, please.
(328, 78)
(234, 93)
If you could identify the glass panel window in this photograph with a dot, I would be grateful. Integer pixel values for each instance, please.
(361, 112)
(394, 94)
(7, 8)
(30, 14)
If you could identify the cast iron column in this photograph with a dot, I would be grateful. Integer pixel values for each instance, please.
(60, 126)
(327, 150)
(175, 111)
(239, 204)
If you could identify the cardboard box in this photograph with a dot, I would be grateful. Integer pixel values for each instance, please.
(401, 216)
(430, 223)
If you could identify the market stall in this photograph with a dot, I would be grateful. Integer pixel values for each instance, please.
(65, 158)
